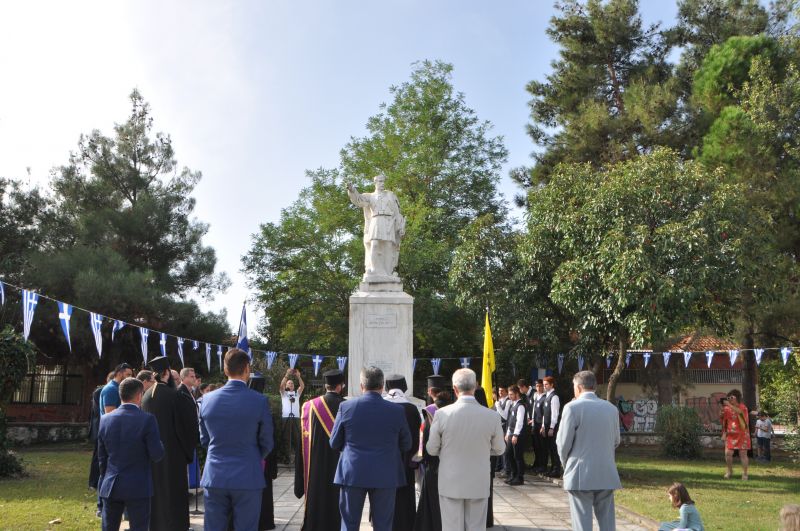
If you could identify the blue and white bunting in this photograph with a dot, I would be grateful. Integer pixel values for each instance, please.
(580, 362)
(219, 357)
(29, 302)
(608, 361)
(96, 323)
(667, 356)
(293, 360)
(758, 353)
(628, 359)
(709, 357)
(785, 353)
(2, 294)
(413, 364)
(686, 357)
(118, 325)
(144, 333)
(464, 362)
(316, 359)
(65, 315)
(195, 344)
(208, 357)
(242, 342)
(163, 343)
(436, 363)
(341, 362)
(733, 354)
(560, 363)
(271, 358)
(180, 350)
(646, 357)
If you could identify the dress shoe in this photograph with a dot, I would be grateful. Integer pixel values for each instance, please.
(515, 482)
(554, 474)
(508, 480)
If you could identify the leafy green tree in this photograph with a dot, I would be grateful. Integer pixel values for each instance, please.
(639, 250)
(442, 163)
(16, 355)
(22, 216)
(122, 241)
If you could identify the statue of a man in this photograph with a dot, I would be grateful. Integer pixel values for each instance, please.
(384, 227)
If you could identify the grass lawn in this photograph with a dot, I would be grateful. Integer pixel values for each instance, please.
(729, 505)
(55, 488)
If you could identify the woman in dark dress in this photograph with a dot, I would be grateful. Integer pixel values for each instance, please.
(429, 517)
(480, 397)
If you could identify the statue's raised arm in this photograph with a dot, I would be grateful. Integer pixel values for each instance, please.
(384, 227)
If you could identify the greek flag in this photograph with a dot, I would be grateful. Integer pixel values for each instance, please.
(2, 294)
(627, 359)
(163, 343)
(709, 357)
(317, 361)
(465, 362)
(29, 302)
(341, 361)
(580, 362)
(64, 315)
(608, 361)
(180, 350)
(219, 356)
(144, 333)
(271, 358)
(96, 322)
(560, 363)
(733, 355)
(686, 357)
(293, 360)
(208, 356)
(242, 342)
(413, 364)
(195, 344)
(646, 357)
(667, 355)
(785, 353)
(118, 325)
(436, 362)
(758, 352)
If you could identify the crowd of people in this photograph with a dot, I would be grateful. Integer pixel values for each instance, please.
(423, 469)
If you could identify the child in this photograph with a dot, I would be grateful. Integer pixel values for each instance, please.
(790, 517)
(690, 518)
(764, 432)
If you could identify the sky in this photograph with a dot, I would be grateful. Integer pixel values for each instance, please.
(254, 93)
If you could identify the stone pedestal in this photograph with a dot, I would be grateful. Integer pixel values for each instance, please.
(381, 326)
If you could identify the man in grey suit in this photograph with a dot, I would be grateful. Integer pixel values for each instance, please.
(586, 440)
(464, 435)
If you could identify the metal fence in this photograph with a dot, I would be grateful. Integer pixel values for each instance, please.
(696, 376)
(50, 384)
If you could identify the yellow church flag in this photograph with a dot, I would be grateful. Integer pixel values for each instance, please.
(488, 362)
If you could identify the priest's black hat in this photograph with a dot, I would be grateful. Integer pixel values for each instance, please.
(333, 377)
(257, 382)
(396, 381)
(436, 380)
(159, 364)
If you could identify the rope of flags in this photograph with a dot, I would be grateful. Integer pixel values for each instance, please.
(30, 301)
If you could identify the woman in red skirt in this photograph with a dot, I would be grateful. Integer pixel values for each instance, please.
(736, 423)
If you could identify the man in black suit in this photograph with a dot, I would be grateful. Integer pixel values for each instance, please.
(128, 441)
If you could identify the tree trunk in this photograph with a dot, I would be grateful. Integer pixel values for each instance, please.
(749, 371)
(612, 380)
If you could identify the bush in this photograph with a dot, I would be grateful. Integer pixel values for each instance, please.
(791, 442)
(15, 355)
(680, 430)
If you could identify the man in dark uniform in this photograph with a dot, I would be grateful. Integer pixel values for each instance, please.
(429, 516)
(315, 466)
(405, 500)
(176, 416)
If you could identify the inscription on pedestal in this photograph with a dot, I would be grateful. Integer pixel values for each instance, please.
(385, 320)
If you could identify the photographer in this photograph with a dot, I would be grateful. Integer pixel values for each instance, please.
(290, 407)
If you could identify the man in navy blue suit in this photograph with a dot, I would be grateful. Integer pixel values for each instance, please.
(236, 426)
(373, 436)
(127, 441)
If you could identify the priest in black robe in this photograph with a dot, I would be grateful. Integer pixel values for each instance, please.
(429, 517)
(176, 416)
(405, 503)
(315, 465)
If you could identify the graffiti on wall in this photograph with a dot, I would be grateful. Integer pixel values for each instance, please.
(708, 409)
(637, 415)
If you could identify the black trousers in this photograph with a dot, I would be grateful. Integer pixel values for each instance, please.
(552, 451)
(515, 458)
(539, 448)
(138, 514)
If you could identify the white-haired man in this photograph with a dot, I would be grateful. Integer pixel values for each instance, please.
(587, 437)
(465, 432)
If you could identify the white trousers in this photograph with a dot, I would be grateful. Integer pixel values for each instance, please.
(463, 514)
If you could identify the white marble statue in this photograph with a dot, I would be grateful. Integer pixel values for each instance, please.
(384, 227)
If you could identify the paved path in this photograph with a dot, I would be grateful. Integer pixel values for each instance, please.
(538, 504)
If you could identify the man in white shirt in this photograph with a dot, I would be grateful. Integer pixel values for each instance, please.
(551, 414)
(501, 405)
(516, 437)
(290, 407)
(536, 418)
